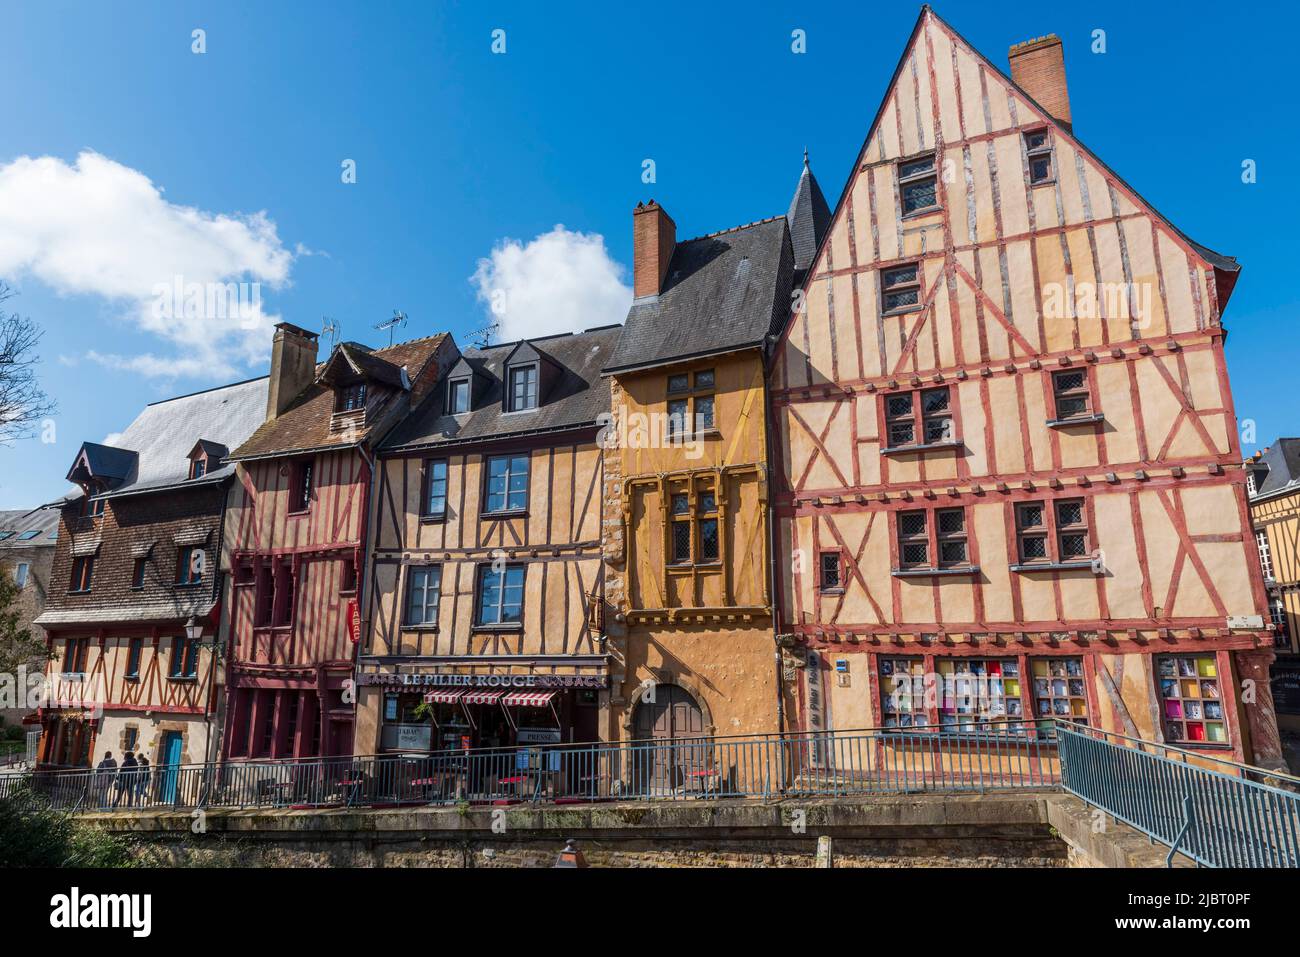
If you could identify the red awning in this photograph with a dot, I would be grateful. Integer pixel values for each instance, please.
(528, 699)
(481, 697)
(443, 695)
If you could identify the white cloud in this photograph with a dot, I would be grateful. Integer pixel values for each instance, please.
(562, 281)
(100, 228)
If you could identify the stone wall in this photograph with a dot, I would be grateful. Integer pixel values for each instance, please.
(1003, 830)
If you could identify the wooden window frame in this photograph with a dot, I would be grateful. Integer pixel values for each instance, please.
(479, 607)
(139, 567)
(888, 288)
(1087, 391)
(1265, 554)
(426, 489)
(1051, 697)
(1051, 531)
(919, 421)
(452, 386)
(946, 667)
(264, 596)
(351, 397)
(183, 664)
(1167, 721)
(348, 577)
(507, 508)
(411, 573)
(185, 576)
(532, 392)
(301, 486)
(933, 540)
(837, 586)
(690, 395)
(134, 652)
(684, 520)
(703, 516)
(887, 666)
(284, 596)
(198, 466)
(75, 653)
(83, 575)
(1046, 150)
(912, 179)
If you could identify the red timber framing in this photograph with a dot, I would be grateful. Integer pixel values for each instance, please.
(1005, 270)
(293, 576)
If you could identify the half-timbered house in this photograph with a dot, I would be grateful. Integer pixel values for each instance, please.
(133, 603)
(1009, 452)
(295, 532)
(483, 610)
(687, 543)
(1273, 487)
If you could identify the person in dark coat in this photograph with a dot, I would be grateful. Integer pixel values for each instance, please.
(105, 772)
(142, 779)
(125, 784)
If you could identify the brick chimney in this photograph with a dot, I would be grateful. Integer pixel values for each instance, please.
(654, 237)
(293, 366)
(1038, 68)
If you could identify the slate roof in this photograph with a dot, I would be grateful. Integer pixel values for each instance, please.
(1282, 460)
(722, 292)
(808, 218)
(14, 524)
(198, 604)
(575, 400)
(165, 433)
(305, 425)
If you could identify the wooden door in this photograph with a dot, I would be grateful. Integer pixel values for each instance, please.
(659, 726)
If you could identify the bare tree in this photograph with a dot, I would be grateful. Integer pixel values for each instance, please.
(23, 403)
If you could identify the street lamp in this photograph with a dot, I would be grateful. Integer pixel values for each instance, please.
(193, 630)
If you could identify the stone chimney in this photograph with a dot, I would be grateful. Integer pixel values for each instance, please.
(293, 366)
(654, 237)
(1038, 68)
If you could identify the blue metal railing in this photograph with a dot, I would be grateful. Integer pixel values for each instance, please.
(1218, 813)
(996, 756)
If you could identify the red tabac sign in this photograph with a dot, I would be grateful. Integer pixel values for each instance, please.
(354, 621)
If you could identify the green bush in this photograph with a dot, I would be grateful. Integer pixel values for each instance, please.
(32, 835)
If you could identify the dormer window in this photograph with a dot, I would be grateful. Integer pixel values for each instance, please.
(523, 388)
(198, 468)
(351, 397)
(457, 396)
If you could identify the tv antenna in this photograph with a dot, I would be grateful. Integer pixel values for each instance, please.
(330, 328)
(398, 320)
(482, 338)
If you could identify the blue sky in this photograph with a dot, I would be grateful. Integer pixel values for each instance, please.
(458, 149)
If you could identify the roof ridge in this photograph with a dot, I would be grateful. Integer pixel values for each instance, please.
(408, 342)
(215, 388)
(733, 229)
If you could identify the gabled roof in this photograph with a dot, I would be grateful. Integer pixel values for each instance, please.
(305, 425)
(1227, 268)
(213, 450)
(164, 435)
(361, 361)
(107, 464)
(575, 400)
(808, 217)
(15, 524)
(1282, 460)
(722, 292)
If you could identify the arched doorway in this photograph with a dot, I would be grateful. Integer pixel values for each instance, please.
(662, 760)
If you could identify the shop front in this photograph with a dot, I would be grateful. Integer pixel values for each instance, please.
(435, 712)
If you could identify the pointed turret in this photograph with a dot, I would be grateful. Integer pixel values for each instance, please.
(808, 218)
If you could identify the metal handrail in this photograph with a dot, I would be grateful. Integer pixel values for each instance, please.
(1208, 814)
